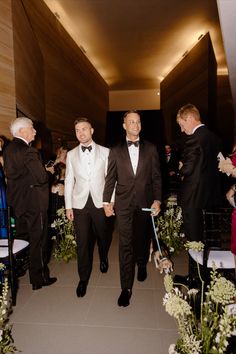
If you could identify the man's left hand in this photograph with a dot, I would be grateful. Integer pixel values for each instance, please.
(156, 206)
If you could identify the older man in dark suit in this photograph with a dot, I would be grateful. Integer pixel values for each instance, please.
(200, 186)
(133, 169)
(27, 195)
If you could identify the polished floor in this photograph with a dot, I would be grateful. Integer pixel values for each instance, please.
(53, 320)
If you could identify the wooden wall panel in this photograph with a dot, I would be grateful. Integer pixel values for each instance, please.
(72, 85)
(225, 122)
(193, 80)
(7, 75)
(29, 66)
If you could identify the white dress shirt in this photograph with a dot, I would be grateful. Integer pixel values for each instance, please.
(87, 158)
(134, 156)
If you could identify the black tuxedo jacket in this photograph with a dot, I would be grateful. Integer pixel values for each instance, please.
(200, 187)
(144, 186)
(27, 179)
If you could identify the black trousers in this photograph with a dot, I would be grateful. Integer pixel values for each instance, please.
(135, 232)
(90, 225)
(33, 227)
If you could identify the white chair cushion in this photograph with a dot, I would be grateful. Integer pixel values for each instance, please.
(18, 245)
(221, 259)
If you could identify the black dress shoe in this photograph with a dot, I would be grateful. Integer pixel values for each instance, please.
(81, 288)
(104, 266)
(124, 297)
(47, 282)
(50, 281)
(142, 273)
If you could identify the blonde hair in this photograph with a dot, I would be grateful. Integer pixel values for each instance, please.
(188, 110)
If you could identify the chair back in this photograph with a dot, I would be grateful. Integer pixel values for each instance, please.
(217, 230)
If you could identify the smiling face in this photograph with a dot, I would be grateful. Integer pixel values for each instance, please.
(132, 125)
(84, 132)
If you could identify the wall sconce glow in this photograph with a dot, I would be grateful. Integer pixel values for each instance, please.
(222, 71)
(158, 93)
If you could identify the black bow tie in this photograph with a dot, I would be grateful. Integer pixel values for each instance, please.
(89, 148)
(135, 143)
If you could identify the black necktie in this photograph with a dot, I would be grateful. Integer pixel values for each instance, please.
(135, 143)
(89, 148)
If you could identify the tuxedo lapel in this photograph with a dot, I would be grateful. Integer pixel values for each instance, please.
(96, 159)
(141, 158)
(80, 167)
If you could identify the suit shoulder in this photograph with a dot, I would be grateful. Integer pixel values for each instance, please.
(73, 151)
(103, 148)
(149, 145)
(206, 133)
(16, 144)
(121, 145)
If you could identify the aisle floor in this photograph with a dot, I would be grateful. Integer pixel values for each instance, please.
(53, 320)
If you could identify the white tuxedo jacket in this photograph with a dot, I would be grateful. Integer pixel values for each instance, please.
(79, 183)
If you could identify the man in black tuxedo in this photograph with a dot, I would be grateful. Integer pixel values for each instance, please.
(133, 169)
(200, 185)
(27, 195)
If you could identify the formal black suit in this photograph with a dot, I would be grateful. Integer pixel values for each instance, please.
(200, 186)
(133, 192)
(27, 195)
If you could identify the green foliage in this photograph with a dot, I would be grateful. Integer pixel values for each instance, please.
(170, 225)
(65, 243)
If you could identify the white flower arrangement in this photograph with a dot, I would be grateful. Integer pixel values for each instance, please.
(65, 243)
(169, 226)
(209, 331)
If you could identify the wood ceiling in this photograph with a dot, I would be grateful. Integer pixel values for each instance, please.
(133, 44)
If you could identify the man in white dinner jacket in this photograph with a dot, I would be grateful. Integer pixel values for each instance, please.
(86, 167)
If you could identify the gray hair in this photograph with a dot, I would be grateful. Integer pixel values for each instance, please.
(19, 123)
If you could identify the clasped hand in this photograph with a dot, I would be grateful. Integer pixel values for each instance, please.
(109, 209)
